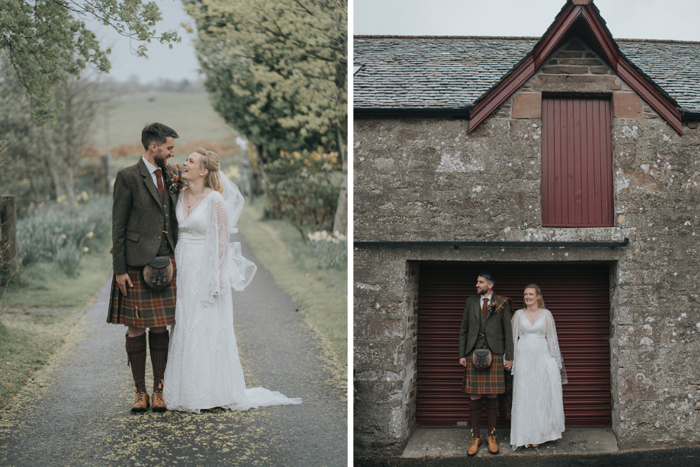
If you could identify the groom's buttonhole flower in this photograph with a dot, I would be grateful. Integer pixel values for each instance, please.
(173, 180)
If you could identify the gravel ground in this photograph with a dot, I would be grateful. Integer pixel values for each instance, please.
(76, 411)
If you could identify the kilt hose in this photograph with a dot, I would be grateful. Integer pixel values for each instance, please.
(489, 381)
(142, 307)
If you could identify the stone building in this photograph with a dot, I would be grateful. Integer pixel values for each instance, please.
(569, 160)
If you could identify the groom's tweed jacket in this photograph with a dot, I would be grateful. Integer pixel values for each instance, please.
(499, 335)
(139, 217)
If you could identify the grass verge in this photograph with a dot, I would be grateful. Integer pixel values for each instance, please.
(44, 284)
(28, 337)
(322, 293)
(38, 311)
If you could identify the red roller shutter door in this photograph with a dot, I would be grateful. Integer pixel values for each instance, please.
(577, 294)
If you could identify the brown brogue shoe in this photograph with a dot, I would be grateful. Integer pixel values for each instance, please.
(491, 440)
(157, 401)
(476, 442)
(141, 402)
(158, 404)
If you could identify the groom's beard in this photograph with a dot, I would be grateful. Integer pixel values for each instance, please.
(160, 161)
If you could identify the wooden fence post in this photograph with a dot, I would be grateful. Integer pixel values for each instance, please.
(107, 173)
(8, 247)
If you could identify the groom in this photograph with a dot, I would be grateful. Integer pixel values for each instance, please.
(144, 226)
(485, 325)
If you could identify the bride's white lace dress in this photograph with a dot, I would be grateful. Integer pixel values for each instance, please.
(537, 415)
(203, 369)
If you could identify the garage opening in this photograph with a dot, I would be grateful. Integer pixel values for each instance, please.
(577, 294)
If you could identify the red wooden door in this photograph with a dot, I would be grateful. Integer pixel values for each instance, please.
(577, 174)
(577, 294)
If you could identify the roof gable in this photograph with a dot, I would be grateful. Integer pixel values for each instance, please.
(580, 18)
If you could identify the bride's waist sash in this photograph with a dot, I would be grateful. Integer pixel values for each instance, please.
(190, 237)
(531, 336)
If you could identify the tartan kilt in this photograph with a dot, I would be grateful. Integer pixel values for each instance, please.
(142, 307)
(489, 381)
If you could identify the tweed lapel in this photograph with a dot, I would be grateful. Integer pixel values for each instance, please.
(173, 198)
(150, 186)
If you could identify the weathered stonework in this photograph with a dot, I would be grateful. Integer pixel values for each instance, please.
(429, 179)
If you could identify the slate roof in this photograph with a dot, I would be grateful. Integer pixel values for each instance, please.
(453, 72)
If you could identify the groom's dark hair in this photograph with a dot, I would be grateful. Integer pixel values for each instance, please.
(156, 132)
(489, 276)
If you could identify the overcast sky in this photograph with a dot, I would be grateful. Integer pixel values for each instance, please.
(637, 19)
(626, 19)
(176, 64)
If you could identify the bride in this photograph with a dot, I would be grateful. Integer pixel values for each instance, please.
(203, 369)
(538, 372)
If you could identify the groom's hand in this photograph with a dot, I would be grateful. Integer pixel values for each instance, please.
(463, 361)
(122, 280)
(508, 364)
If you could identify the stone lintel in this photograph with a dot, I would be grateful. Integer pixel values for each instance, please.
(577, 84)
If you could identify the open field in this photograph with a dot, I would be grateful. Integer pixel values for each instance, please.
(188, 113)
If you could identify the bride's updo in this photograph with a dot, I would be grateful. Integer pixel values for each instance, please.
(210, 162)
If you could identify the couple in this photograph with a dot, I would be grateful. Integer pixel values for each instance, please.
(525, 344)
(188, 231)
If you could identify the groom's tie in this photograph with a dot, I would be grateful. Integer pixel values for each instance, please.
(160, 182)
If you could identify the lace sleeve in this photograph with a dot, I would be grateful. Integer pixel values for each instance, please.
(217, 247)
(553, 344)
(515, 325)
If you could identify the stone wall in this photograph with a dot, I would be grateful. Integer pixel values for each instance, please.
(430, 180)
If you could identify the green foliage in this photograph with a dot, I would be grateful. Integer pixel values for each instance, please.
(321, 292)
(68, 259)
(264, 129)
(43, 160)
(63, 232)
(303, 188)
(46, 41)
(44, 284)
(276, 69)
(329, 251)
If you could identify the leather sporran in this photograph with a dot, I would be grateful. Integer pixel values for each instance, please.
(481, 359)
(158, 273)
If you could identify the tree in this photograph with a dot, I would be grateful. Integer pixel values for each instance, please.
(224, 71)
(45, 155)
(287, 62)
(45, 41)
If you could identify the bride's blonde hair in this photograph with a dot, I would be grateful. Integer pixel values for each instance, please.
(210, 162)
(540, 299)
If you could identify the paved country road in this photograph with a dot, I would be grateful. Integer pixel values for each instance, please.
(76, 411)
